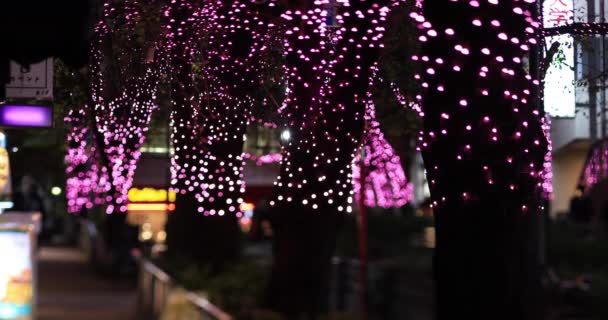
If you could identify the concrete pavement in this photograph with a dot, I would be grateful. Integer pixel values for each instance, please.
(70, 289)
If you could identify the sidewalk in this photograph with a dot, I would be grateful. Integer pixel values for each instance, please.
(69, 289)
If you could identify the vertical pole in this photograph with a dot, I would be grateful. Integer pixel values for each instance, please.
(535, 63)
(362, 224)
(602, 73)
(592, 74)
(169, 155)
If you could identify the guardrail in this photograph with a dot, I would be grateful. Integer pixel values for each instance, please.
(154, 289)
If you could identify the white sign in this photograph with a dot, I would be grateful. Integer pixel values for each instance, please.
(559, 81)
(33, 81)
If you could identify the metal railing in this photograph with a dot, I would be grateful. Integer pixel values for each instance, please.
(154, 289)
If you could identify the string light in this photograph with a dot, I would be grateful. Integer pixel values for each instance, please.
(82, 169)
(385, 183)
(212, 106)
(102, 161)
(596, 166)
(577, 28)
(547, 167)
(328, 71)
(487, 132)
(123, 97)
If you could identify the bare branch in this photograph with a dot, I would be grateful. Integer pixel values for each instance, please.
(577, 29)
(546, 62)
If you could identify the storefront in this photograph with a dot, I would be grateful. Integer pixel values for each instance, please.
(150, 200)
(148, 208)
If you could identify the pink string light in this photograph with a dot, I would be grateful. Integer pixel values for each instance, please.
(84, 175)
(328, 69)
(504, 143)
(385, 182)
(102, 161)
(123, 114)
(212, 107)
(596, 166)
(547, 167)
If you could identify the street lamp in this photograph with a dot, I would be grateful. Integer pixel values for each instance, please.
(55, 191)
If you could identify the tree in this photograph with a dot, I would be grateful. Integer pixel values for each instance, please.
(483, 148)
(216, 71)
(394, 91)
(328, 75)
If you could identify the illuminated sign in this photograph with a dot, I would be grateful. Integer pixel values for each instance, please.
(245, 220)
(31, 81)
(246, 206)
(132, 207)
(151, 195)
(26, 116)
(559, 81)
(16, 286)
(4, 170)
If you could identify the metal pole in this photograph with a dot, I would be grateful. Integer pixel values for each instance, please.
(362, 224)
(592, 80)
(602, 72)
(535, 63)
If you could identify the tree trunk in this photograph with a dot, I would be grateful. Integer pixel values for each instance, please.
(212, 239)
(329, 73)
(211, 112)
(303, 245)
(483, 148)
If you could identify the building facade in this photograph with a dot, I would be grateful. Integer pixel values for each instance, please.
(575, 126)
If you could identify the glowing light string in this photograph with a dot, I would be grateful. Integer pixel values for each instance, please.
(578, 28)
(122, 105)
(547, 167)
(385, 182)
(84, 175)
(596, 166)
(209, 122)
(263, 159)
(465, 138)
(328, 70)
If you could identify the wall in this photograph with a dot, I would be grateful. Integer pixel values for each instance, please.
(567, 166)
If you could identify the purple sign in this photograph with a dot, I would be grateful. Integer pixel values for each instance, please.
(26, 116)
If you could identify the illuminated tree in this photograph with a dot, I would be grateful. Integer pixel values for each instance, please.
(328, 74)
(82, 168)
(483, 146)
(215, 48)
(105, 141)
(394, 91)
(385, 182)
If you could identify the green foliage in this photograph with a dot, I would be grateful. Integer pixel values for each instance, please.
(71, 88)
(129, 42)
(236, 289)
(397, 122)
(271, 92)
(400, 124)
(400, 43)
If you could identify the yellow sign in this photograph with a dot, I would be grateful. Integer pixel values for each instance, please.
(4, 170)
(246, 206)
(151, 207)
(150, 195)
